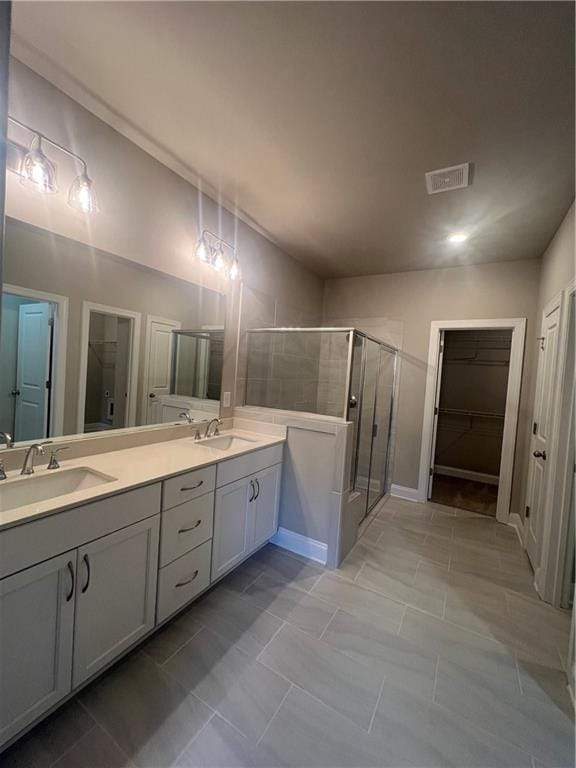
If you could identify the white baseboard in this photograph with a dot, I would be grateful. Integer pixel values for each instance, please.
(466, 474)
(403, 492)
(301, 545)
(516, 522)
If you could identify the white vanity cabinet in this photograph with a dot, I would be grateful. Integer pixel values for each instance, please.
(36, 634)
(246, 509)
(66, 617)
(115, 595)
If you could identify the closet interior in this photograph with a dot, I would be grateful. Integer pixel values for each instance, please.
(470, 412)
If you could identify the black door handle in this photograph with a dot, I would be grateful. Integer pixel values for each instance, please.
(540, 455)
(87, 564)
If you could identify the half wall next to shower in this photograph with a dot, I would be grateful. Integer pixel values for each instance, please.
(337, 372)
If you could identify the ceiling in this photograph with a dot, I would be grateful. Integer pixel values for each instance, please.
(319, 120)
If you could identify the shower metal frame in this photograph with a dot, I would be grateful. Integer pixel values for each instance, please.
(352, 332)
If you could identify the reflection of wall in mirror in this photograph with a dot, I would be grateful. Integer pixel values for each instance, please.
(43, 261)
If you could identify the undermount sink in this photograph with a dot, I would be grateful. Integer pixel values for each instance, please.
(227, 442)
(21, 491)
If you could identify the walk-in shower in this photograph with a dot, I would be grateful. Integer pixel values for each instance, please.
(341, 372)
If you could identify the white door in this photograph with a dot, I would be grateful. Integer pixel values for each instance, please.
(436, 409)
(231, 525)
(116, 595)
(542, 424)
(159, 345)
(32, 371)
(264, 508)
(36, 633)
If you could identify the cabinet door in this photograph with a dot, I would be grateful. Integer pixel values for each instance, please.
(36, 631)
(116, 595)
(231, 534)
(264, 508)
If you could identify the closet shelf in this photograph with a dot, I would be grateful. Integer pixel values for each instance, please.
(481, 414)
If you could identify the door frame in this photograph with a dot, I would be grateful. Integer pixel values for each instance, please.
(60, 336)
(518, 327)
(146, 369)
(556, 513)
(136, 318)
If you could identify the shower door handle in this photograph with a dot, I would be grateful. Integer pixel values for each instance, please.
(353, 402)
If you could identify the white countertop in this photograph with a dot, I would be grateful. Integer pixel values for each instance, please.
(131, 468)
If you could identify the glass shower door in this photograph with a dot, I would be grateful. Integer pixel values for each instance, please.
(382, 423)
(367, 423)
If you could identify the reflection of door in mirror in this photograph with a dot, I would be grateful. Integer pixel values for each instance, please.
(157, 364)
(109, 346)
(26, 378)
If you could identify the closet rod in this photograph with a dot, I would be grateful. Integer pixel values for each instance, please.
(483, 414)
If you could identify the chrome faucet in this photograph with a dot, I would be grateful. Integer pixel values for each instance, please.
(209, 427)
(186, 415)
(7, 438)
(34, 450)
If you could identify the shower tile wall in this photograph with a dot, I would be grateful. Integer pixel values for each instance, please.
(283, 370)
(332, 374)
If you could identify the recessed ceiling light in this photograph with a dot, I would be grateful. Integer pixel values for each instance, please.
(458, 237)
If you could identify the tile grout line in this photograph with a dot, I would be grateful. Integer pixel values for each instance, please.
(330, 620)
(376, 705)
(189, 640)
(281, 627)
(184, 644)
(404, 612)
(435, 679)
(269, 723)
(193, 739)
(106, 731)
(71, 747)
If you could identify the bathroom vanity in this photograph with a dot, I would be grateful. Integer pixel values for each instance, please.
(112, 546)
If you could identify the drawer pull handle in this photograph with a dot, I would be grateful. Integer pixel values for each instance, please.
(191, 487)
(71, 570)
(87, 564)
(190, 527)
(188, 581)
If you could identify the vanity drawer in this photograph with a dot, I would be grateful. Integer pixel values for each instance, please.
(248, 464)
(182, 580)
(188, 486)
(185, 527)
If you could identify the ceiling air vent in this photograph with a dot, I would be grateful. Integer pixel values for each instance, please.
(446, 179)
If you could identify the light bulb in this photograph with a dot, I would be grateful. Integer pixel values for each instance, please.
(458, 237)
(81, 195)
(234, 272)
(219, 262)
(38, 172)
(202, 252)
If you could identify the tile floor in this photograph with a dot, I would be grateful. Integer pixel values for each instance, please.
(428, 647)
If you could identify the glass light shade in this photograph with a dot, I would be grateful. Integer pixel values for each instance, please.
(219, 260)
(81, 195)
(38, 172)
(202, 251)
(234, 271)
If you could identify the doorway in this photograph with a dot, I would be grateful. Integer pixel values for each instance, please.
(471, 414)
(33, 341)
(157, 365)
(472, 386)
(108, 368)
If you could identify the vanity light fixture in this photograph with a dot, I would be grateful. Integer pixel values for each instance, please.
(219, 254)
(458, 237)
(38, 172)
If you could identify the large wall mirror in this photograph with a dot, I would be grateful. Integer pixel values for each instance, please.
(90, 342)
